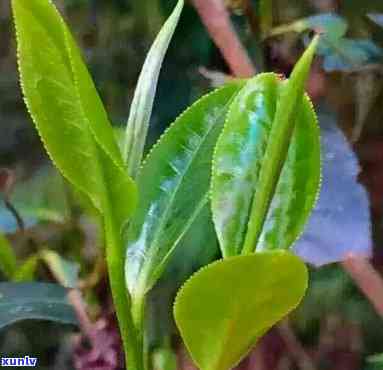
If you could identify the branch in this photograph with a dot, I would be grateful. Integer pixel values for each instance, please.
(216, 19)
(367, 279)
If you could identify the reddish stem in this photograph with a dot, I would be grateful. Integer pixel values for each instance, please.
(217, 21)
(367, 279)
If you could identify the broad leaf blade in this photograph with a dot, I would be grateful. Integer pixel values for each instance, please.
(37, 301)
(142, 104)
(65, 106)
(174, 184)
(240, 158)
(227, 306)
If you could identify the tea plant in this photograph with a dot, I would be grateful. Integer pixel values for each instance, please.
(249, 151)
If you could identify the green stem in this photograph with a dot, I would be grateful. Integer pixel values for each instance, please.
(122, 302)
(138, 316)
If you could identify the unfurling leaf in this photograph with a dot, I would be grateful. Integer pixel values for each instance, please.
(38, 301)
(142, 104)
(266, 168)
(174, 185)
(223, 309)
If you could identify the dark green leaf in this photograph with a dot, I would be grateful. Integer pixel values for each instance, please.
(37, 301)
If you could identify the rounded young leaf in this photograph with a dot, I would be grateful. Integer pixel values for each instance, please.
(223, 309)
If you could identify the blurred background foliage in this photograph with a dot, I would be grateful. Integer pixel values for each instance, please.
(335, 326)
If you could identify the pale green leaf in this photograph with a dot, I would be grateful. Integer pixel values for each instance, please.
(8, 260)
(227, 306)
(174, 185)
(142, 104)
(38, 301)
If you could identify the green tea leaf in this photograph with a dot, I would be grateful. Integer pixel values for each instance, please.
(8, 260)
(65, 272)
(142, 104)
(227, 306)
(38, 301)
(66, 109)
(264, 185)
(174, 185)
(72, 123)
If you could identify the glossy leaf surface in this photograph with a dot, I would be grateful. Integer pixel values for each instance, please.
(240, 158)
(37, 301)
(174, 185)
(223, 309)
(142, 104)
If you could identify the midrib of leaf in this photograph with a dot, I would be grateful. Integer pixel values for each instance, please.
(155, 246)
(290, 98)
(158, 271)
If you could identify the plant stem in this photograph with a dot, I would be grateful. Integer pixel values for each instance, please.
(217, 21)
(138, 316)
(122, 302)
(367, 279)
